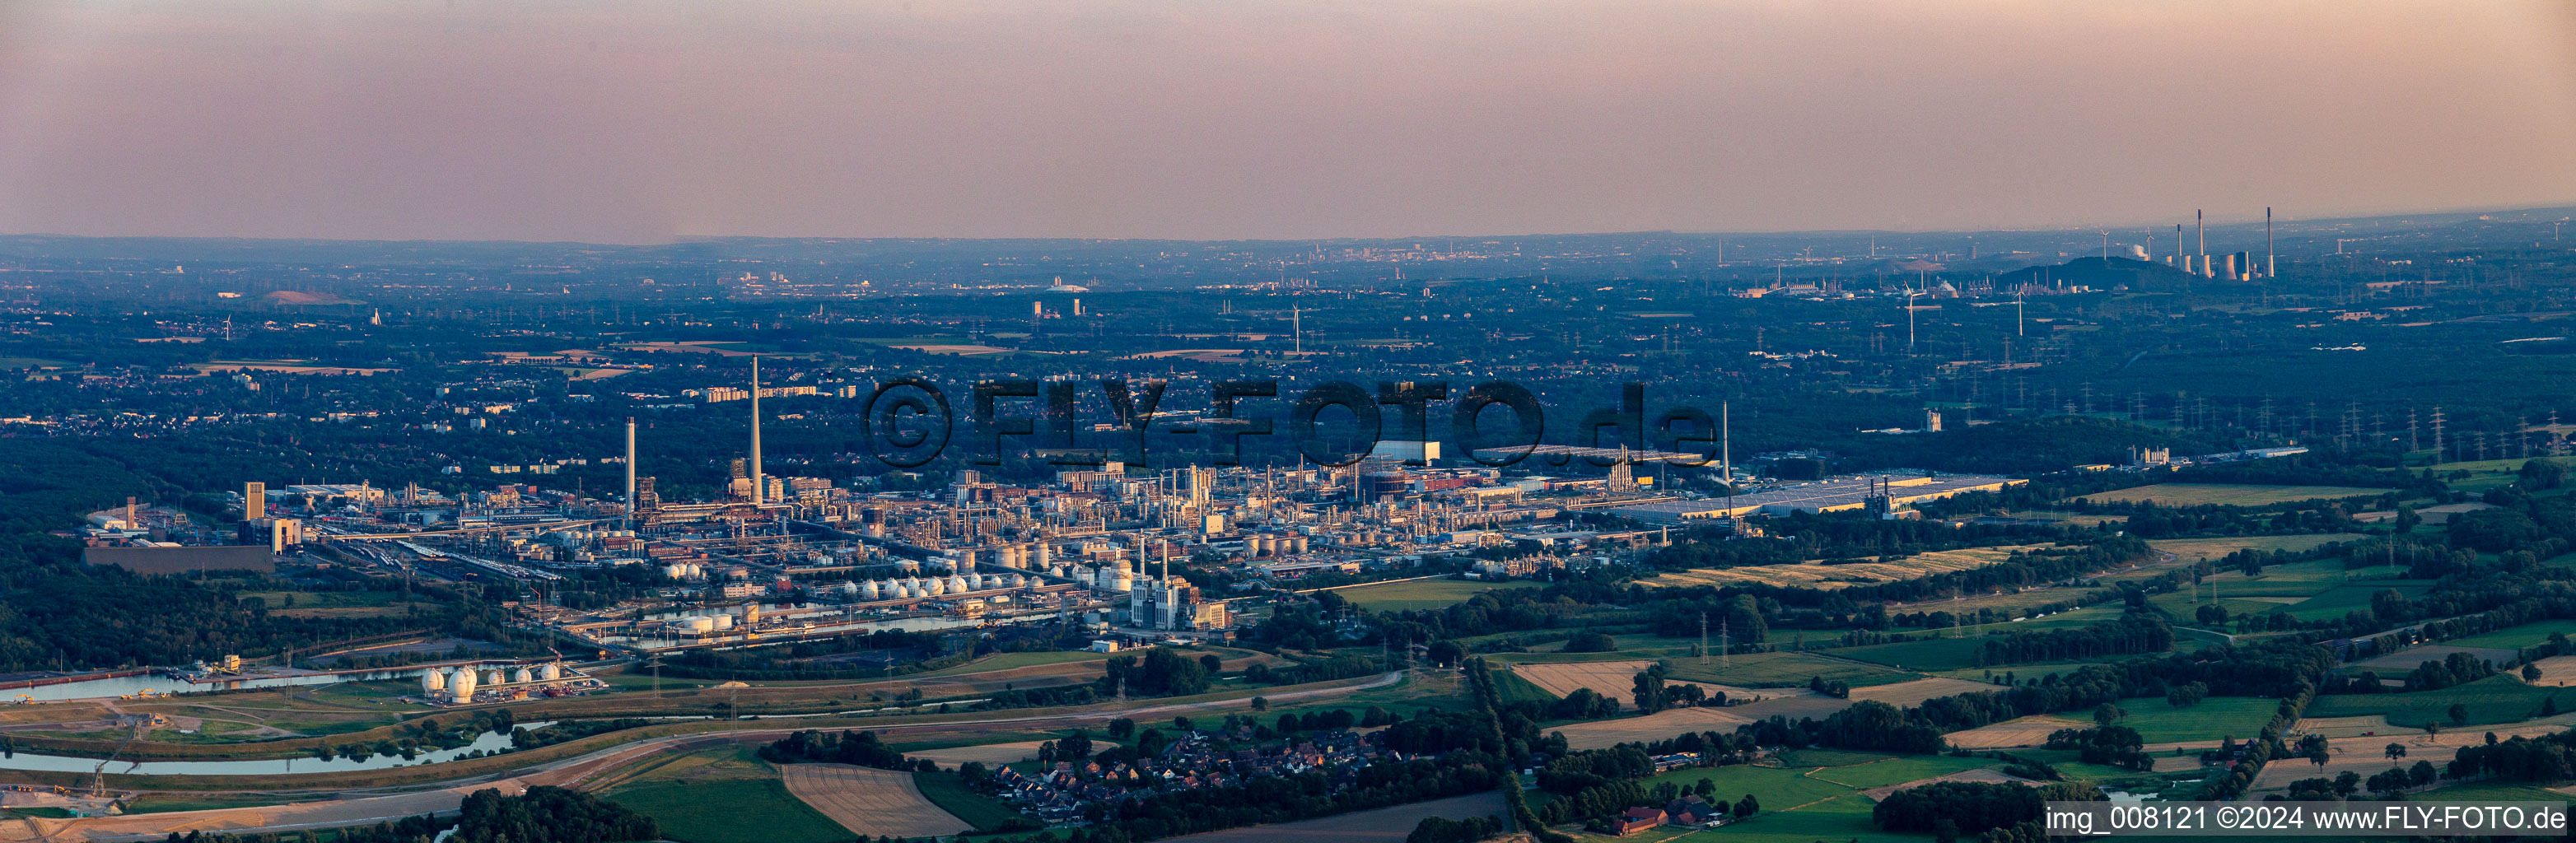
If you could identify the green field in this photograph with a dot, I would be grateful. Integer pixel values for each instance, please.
(1899, 770)
(949, 792)
(2495, 699)
(729, 811)
(1775, 788)
(2228, 494)
(2518, 637)
(1774, 670)
(1421, 594)
(1006, 661)
(2159, 722)
(1843, 818)
(1515, 689)
(1929, 654)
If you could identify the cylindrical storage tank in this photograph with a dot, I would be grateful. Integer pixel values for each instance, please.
(492, 677)
(701, 623)
(751, 613)
(431, 681)
(1301, 544)
(523, 675)
(462, 684)
(550, 672)
(1044, 556)
(721, 621)
(1125, 581)
(965, 561)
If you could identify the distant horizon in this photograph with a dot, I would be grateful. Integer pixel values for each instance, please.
(2212, 220)
(628, 122)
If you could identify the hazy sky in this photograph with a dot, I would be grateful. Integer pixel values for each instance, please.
(618, 121)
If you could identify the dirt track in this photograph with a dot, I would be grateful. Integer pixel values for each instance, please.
(870, 801)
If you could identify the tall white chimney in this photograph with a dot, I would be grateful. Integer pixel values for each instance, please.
(630, 472)
(758, 484)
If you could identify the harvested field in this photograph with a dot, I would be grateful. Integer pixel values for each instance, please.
(1615, 680)
(2556, 671)
(1383, 825)
(2178, 763)
(2026, 731)
(1816, 574)
(1976, 775)
(870, 801)
(1661, 725)
(991, 754)
(2369, 755)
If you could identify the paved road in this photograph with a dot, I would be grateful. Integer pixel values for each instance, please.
(575, 772)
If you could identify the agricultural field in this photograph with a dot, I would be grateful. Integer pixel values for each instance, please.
(2395, 665)
(949, 794)
(1814, 574)
(1612, 679)
(2495, 699)
(1782, 670)
(1661, 725)
(2020, 732)
(723, 796)
(2515, 638)
(1422, 594)
(1840, 818)
(2228, 494)
(2208, 720)
(339, 604)
(1923, 654)
(1382, 825)
(2196, 550)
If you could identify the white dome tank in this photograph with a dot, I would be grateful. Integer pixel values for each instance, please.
(1019, 581)
(492, 677)
(933, 588)
(430, 680)
(869, 590)
(550, 672)
(676, 571)
(957, 585)
(903, 592)
(462, 684)
(523, 675)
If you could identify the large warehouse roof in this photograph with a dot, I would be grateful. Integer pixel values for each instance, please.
(1839, 493)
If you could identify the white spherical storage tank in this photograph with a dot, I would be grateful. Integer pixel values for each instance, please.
(550, 672)
(523, 675)
(957, 585)
(430, 680)
(492, 677)
(870, 591)
(462, 684)
(933, 588)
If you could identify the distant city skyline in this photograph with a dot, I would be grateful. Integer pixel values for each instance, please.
(621, 122)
